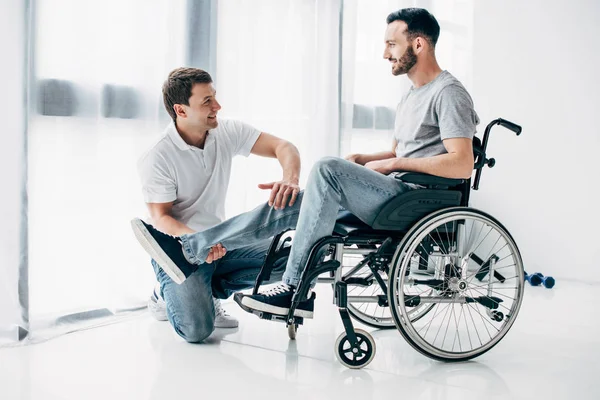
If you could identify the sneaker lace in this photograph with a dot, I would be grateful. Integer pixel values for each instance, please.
(279, 289)
(219, 310)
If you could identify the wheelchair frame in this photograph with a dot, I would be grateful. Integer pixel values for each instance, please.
(392, 230)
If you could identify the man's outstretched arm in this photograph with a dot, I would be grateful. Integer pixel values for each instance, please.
(288, 156)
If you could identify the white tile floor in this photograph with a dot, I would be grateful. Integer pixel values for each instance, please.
(552, 352)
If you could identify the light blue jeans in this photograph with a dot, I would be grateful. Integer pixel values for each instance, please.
(333, 184)
(190, 307)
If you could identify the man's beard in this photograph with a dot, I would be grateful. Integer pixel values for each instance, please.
(405, 63)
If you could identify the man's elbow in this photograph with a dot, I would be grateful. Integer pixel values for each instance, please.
(286, 148)
(463, 166)
(292, 147)
(467, 174)
(467, 168)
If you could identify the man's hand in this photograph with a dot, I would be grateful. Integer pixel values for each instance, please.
(215, 252)
(382, 166)
(354, 158)
(280, 193)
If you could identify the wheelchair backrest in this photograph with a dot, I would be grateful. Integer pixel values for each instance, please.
(400, 213)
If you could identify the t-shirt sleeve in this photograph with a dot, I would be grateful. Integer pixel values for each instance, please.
(158, 185)
(456, 115)
(242, 136)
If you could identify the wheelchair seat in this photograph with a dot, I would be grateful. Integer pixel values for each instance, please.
(348, 223)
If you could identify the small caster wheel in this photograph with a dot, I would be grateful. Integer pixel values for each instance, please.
(497, 316)
(355, 357)
(292, 329)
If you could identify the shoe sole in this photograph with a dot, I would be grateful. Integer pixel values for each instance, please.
(258, 306)
(226, 324)
(152, 247)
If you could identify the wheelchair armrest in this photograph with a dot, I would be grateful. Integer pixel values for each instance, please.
(430, 181)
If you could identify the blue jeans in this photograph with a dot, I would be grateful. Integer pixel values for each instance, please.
(190, 308)
(333, 183)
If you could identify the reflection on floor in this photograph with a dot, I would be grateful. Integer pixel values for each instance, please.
(551, 353)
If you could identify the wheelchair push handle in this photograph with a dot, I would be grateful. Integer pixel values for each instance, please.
(491, 162)
(509, 125)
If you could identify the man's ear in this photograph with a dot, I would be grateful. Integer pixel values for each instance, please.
(179, 110)
(419, 44)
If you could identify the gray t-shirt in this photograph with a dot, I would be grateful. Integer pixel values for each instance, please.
(441, 109)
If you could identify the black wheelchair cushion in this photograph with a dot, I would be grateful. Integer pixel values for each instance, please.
(400, 213)
(347, 223)
(403, 211)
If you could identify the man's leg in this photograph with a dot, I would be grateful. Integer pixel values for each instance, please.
(242, 230)
(179, 257)
(333, 182)
(190, 308)
(238, 269)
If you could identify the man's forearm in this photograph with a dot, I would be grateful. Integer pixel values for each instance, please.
(171, 226)
(362, 159)
(289, 158)
(445, 165)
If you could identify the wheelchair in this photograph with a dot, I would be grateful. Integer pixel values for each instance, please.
(449, 277)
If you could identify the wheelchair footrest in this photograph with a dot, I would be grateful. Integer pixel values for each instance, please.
(265, 315)
(487, 301)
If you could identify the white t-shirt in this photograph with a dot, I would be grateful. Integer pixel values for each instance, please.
(194, 179)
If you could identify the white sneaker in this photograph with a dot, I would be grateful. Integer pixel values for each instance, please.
(157, 305)
(158, 309)
(222, 319)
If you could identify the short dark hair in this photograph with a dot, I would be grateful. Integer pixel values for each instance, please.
(420, 23)
(177, 89)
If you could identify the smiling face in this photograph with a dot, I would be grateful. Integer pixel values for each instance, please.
(203, 108)
(398, 49)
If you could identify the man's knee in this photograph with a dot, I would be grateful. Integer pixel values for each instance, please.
(197, 330)
(328, 164)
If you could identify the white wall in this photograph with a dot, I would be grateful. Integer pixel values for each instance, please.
(537, 63)
(12, 75)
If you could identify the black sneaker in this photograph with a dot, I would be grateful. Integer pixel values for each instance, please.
(278, 301)
(165, 249)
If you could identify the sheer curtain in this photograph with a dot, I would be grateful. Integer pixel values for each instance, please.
(277, 69)
(96, 105)
(13, 75)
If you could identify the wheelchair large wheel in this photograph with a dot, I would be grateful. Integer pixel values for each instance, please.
(474, 294)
